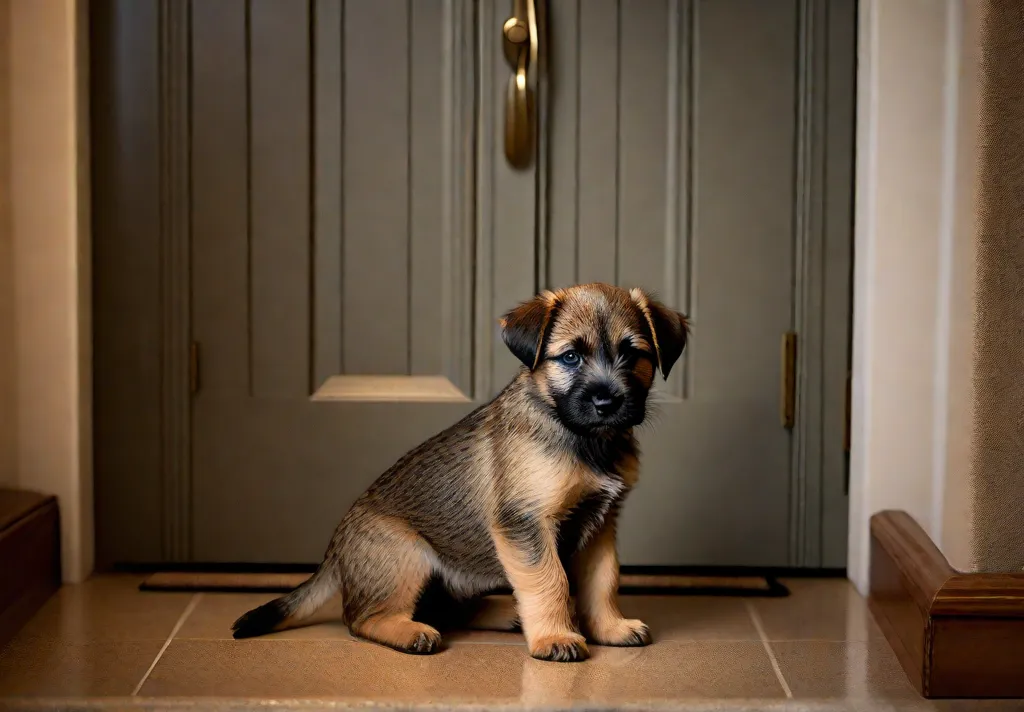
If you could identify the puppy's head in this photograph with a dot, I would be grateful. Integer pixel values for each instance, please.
(592, 351)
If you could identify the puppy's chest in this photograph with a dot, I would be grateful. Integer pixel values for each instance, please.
(586, 512)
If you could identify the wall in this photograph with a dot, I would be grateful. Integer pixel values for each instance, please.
(997, 453)
(912, 289)
(49, 219)
(8, 411)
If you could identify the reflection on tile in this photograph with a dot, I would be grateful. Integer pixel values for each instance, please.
(356, 670)
(58, 668)
(817, 609)
(843, 670)
(215, 612)
(107, 608)
(691, 617)
(671, 618)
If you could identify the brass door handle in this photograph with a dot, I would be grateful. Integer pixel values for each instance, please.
(521, 45)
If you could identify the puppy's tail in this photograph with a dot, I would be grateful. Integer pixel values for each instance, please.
(291, 608)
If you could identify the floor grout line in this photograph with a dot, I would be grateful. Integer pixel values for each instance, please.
(756, 619)
(174, 631)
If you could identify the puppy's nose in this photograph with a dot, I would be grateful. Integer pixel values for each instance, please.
(606, 403)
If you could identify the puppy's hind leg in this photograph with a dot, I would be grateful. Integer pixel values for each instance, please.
(385, 569)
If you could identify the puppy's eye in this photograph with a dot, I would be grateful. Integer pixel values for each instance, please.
(570, 358)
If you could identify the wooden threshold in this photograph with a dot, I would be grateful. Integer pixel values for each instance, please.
(957, 635)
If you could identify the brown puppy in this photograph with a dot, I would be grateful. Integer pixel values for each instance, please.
(522, 492)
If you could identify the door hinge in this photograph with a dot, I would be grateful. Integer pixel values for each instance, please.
(788, 380)
(193, 368)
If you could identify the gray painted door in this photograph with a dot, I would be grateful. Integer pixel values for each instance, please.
(678, 162)
(338, 230)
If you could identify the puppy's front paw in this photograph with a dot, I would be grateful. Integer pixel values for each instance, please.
(425, 643)
(567, 648)
(622, 633)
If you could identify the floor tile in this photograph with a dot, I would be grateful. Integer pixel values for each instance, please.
(462, 673)
(59, 668)
(107, 608)
(215, 612)
(817, 609)
(815, 669)
(683, 618)
(974, 706)
(671, 618)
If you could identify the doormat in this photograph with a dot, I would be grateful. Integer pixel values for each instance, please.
(635, 584)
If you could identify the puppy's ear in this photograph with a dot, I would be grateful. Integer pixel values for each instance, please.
(669, 329)
(524, 328)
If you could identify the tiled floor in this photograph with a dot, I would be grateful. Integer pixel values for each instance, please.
(106, 644)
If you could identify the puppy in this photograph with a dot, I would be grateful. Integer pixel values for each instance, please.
(523, 492)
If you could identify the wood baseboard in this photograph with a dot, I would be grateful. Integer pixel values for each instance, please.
(29, 556)
(956, 635)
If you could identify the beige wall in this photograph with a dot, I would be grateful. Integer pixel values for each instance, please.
(997, 454)
(912, 275)
(8, 376)
(49, 221)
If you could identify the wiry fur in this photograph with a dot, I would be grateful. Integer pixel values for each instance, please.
(523, 492)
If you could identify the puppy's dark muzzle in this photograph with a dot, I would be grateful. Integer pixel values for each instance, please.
(606, 403)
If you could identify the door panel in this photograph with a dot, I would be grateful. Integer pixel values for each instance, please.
(335, 300)
(343, 274)
(673, 145)
(353, 231)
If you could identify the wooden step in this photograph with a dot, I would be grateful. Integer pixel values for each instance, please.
(29, 556)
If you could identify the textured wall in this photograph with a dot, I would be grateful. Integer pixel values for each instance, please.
(997, 461)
